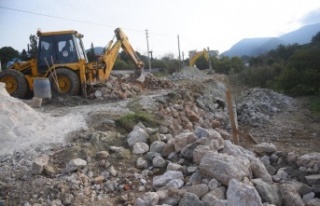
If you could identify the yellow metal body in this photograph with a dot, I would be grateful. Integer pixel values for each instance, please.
(197, 55)
(88, 73)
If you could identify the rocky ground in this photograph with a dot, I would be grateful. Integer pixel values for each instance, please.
(182, 154)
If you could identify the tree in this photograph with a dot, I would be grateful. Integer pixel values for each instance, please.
(236, 64)
(168, 56)
(123, 56)
(33, 45)
(7, 54)
(91, 54)
(24, 55)
(316, 39)
(120, 64)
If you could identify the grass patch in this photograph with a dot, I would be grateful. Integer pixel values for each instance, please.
(161, 74)
(129, 120)
(134, 104)
(315, 104)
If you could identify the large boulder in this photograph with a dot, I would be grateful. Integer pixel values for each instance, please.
(224, 167)
(162, 180)
(268, 192)
(290, 196)
(187, 151)
(198, 153)
(157, 146)
(309, 160)
(215, 196)
(215, 139)
(39, 164)
(149, 198)
(259, 170)
(235, 150)
(138, 134)
(199, 189)
(140, 148)
(264, 147)
(183, 139)
(75, 164)
(240, 194)
(313, 179)
(190, 199)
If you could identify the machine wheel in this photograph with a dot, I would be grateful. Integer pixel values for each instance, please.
(68, 82)
(16, 83)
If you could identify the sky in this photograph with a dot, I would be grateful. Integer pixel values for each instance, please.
(198, 23)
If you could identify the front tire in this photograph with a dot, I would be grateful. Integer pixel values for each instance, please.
(68, 82)
(16, 83)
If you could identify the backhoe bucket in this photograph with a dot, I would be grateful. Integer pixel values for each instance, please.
(142, 76)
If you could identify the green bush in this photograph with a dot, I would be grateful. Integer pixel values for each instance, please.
(121, 65)
(226, 65)
(315, 103)
(295, 82)
(258, 77)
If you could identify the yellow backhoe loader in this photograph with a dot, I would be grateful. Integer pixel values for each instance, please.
(197, 55)
(62, 59)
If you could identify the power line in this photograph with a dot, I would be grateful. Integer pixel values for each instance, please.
(76, 20)
(64, 18)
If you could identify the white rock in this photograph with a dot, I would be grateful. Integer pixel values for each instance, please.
(75, 164)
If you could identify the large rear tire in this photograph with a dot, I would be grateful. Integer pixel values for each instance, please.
(16, 83)
(68, 82)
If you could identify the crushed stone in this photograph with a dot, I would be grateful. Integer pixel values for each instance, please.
(24, 128)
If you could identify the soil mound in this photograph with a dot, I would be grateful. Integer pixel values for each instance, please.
(24, 128)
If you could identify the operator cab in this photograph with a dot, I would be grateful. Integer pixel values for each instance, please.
(64, 47)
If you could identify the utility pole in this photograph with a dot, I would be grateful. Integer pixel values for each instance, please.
(179, 48)
(147, 36)
(210, 66)
(151, 54)
(182, 58)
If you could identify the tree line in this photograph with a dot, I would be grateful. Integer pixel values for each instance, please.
(291, 69)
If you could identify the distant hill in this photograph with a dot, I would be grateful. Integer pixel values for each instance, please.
(253, 46)
(302, 35)
(256, 46)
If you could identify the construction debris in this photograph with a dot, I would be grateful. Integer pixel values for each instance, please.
(187, 159)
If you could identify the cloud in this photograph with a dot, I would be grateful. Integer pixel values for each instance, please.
(311, 17)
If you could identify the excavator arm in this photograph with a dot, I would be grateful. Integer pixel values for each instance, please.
(112, 50)
(194, 58)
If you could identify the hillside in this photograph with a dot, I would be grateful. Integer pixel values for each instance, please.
(256, 46)
(253, 46)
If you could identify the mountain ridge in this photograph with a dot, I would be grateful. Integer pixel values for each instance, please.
(260, 45)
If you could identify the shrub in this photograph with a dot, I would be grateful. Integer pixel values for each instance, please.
(258, 77)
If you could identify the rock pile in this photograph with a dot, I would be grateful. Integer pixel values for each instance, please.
(190, 168)
(257, 105)
(124, 86)
(151, 82)
(189, 73)
(203, 168)
(187, 160)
